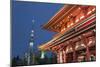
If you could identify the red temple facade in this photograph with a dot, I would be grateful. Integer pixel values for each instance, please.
(75, 40)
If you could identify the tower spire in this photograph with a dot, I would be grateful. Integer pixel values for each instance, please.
(31, 43)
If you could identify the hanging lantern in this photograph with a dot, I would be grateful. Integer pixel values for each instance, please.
(42, 54)
(31, 44)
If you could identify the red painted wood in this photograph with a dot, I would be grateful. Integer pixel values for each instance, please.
(87, 23)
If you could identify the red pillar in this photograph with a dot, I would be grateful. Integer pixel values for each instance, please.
(87, 48)
(74, 52)
(87, 54)
(58, 58)
(74, 56)
(61, 57)
(64, 56)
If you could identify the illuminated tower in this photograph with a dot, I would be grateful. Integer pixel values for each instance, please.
(31, 47)
(31, 43)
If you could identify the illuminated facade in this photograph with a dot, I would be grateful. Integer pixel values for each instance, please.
(75, 40)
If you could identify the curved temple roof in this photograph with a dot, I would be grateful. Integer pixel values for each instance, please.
(66, 11)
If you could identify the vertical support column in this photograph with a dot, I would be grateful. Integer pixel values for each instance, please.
(61, 57)
(87, 54)
(74, 55)
(58, 61)
(87, 48)
(74, 52)
(64, 56)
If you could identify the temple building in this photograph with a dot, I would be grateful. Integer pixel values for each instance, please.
(75, 38)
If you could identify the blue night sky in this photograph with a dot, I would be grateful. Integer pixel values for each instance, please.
(22, 15)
